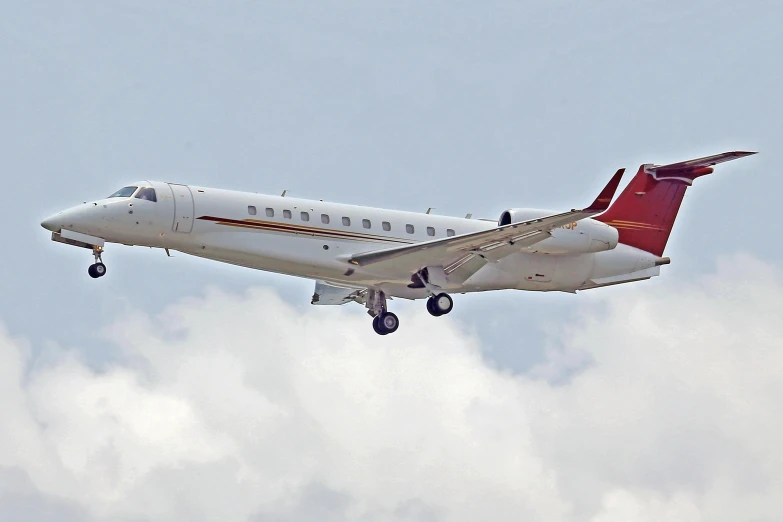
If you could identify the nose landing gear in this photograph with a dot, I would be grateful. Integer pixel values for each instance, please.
(97, 269)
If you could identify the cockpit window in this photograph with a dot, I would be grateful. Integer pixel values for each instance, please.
(124, 192)
(147, 193)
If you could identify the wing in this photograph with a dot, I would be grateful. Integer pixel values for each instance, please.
(333, 294)
(468, 252)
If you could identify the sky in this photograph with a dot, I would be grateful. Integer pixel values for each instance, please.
(181, 389)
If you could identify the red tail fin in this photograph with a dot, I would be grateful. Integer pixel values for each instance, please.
(645, 211)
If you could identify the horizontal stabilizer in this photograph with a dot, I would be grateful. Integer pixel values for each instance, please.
(694, 168)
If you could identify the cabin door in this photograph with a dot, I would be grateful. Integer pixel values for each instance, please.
(183, 208)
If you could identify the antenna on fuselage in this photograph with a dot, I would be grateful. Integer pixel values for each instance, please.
(468, 216)
(284, 193)
(430, 210)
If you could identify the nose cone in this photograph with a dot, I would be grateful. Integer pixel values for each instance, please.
(52, 223)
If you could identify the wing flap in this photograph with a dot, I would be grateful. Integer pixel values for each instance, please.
(333, 294)
(461, 270)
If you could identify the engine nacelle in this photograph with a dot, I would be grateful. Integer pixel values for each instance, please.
(515, 215)
(579, 237)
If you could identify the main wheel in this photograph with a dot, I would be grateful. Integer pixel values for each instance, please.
(441, 304)
(377, 327)
(92, 272)
(431, 307)
(388, 323)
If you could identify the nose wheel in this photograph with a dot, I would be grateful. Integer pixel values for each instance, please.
(97, 269)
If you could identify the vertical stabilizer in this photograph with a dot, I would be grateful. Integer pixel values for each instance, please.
(645, 211)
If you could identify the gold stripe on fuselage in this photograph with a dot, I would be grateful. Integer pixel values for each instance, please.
(272, 226)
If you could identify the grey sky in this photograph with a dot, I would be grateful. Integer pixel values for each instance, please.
(463, 106)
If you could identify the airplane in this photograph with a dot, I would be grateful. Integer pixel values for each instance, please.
(371, 255)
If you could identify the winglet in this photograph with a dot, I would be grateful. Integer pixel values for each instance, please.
(603, 200)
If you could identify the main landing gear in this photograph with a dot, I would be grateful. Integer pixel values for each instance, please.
(385, 322)
(440, 304)
(97, 269)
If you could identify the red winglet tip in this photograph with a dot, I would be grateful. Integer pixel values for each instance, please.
(603, 200)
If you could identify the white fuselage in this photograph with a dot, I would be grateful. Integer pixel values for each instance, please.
(314, 239)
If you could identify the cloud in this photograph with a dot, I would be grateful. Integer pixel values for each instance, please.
(242, 407)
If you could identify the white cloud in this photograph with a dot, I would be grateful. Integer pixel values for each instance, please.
(243, 407)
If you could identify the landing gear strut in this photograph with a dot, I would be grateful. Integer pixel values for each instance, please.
(97, 269)
(440, 304)
(384, 322)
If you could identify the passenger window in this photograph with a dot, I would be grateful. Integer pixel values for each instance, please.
(409, 229)
(287, 214)
(325, 219)
(270, 212)
(386, 226)
(147, 194)
(430, 231)
(305, 216)
(346, 221)
(251, 210)
(450, 232)
(366, 223)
